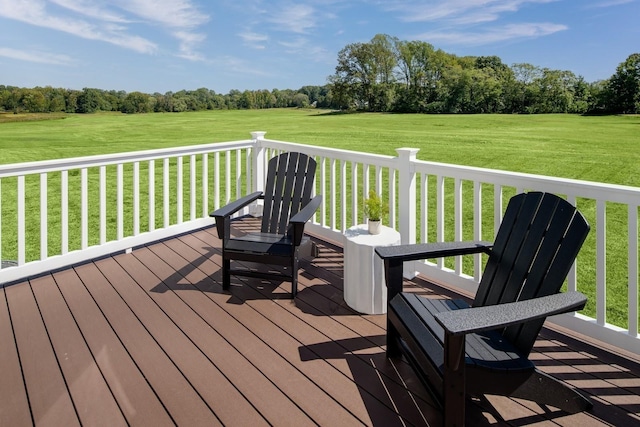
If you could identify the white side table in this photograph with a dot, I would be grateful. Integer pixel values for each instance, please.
(364, 285)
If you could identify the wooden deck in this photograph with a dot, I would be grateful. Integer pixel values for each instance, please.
(150, 338)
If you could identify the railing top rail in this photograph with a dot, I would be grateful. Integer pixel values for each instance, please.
(590, 189)
(597, 190)
(17, 169)
(348, 155)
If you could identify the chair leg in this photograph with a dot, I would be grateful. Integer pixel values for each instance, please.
(454, 380)
(393, 346)
(544, 389)
(294, 277)
(226, 275)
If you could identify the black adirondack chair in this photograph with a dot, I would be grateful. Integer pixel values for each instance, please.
(288, 206)
(457, 349)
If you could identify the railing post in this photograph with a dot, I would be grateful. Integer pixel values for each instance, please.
(407, 201)
(258, 174)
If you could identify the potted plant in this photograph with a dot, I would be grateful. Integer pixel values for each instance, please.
(374, 209)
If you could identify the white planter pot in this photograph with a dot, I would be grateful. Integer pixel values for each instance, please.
(374, 226)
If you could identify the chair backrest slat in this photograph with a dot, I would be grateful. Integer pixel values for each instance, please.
(535, 247)
(299, 193)
(519, 214)
(275, 179)
(287, 192)
(288, 188)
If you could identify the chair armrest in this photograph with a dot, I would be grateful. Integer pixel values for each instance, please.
(415, 252)
(395, 256)
(226, 211)
(236, 205)
(478, 319)
(300, 219)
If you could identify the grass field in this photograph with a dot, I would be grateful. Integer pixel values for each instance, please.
(603, 149)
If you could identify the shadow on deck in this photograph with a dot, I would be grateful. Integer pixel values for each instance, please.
(151, 338)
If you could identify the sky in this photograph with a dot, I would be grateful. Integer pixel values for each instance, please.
(169, 45)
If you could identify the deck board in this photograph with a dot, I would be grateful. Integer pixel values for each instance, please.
(49, 398)
(307, 384)
(165, 378)
(88, 389)
(14, 409)
(167, 319)
(150, 338)
(198, 316)
(132, 393)
(312, 328)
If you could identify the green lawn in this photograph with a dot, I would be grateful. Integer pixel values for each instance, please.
(603, 149)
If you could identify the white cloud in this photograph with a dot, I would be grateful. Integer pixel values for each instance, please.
(458, 11)
(171, 13)
(297, 44)
(254, 37)
(232, 64)
(34, 12)
(473, 22)
(609, 3)
(254, 40)
(39, 57)
(188, 43)
(302, 47)
(89, 9)
(493, 35)
(298, 18)
(116, 22)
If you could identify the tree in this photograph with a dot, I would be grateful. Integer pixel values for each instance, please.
(492, 82)
(34, 101)
(113, 100)
(301, 100)
(555, 91)
(422, 69)
(419, 73)
(599, 97)
(233, 99)
(138, 102)
(365, 75)
(164, 103)
(355, 75)
(493, 66)
(318, 95)
(340, 92)
(624, 86)
(384, 58)
(71, 101)
(247, 100)
(89, 100)
(384, 63)
(56, 100)
(523, 94)
(582, 96)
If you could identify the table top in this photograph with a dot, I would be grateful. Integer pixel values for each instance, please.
(359, 234)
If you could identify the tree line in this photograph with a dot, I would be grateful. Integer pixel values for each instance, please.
(388, 74)
(91, 100)
(383, 75)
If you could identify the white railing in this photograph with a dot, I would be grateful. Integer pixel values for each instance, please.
(61, 212)
(83, 208)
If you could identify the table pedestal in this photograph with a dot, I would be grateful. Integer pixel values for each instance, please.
(364, 285)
